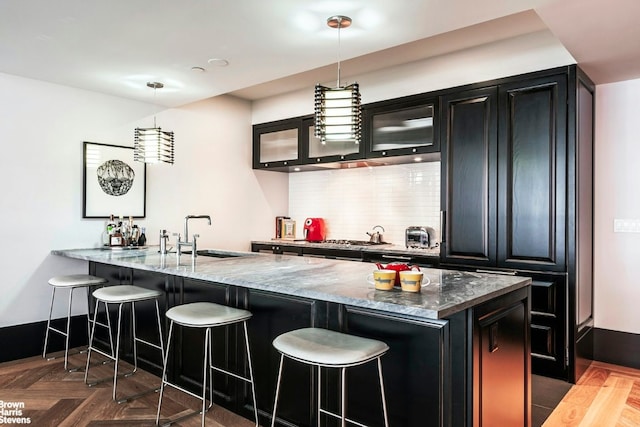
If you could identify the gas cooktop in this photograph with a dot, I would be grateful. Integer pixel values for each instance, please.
(353, 242)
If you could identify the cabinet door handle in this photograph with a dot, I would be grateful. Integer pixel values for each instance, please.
(403, 258)
(443, 223)
(504, 272)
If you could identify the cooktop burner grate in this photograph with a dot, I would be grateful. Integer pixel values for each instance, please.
(352, 242)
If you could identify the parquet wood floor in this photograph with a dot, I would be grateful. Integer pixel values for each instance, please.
(606, 395)
(46, 395)
(43, 393)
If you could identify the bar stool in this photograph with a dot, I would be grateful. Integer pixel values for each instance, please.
(122, 294)
(329, 349)
(70, 282)
(206, 315)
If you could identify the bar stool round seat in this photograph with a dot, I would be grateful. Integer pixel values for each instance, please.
(76, 280)
(207, 315)
(70, 282)
(125, 293)
(324, 348)
(121, 295)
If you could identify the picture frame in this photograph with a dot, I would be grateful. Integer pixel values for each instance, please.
(288, 229)
(112, 182)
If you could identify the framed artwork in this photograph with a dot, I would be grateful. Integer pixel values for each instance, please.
(113, 184)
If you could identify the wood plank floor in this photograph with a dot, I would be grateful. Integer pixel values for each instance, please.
(606, 395)
(43, 393)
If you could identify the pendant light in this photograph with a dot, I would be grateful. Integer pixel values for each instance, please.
(153, 145)
(337, 110)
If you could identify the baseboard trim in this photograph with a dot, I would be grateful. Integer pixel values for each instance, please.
(27, 340)
(615, 347)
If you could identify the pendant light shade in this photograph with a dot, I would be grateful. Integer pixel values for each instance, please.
(153, 145)
(338, 114)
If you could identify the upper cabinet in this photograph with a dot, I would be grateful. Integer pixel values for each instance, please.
(504, 180)
(394, 131)
(328, 152)
(276, 144)
(469, 177)
(400, 127)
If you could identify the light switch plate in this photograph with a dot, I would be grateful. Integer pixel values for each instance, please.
(626, 225)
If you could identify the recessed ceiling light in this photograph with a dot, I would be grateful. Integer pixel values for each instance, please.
(198, 69)
(218, 62)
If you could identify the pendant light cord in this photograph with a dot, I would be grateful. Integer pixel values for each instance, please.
(339, 26)
(154, 106)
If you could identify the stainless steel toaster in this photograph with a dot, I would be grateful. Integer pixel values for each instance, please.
(420, 237)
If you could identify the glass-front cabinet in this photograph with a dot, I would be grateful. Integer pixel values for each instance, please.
(277, 144)
(401, 126)
(330, 151)
(394, 130)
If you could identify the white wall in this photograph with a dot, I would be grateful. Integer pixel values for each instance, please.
(617, 177)
(42, 128)
(530, 52)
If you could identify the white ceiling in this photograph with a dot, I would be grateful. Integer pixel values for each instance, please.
(116, 46)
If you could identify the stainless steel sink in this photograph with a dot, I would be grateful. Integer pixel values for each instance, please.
(220, 254)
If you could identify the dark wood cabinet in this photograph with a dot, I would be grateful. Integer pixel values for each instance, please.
(274, 315)
(548, 329)
(501, 354)
(517, 196)
(469, 177)
(401, 126)
(187, 348)
(149, 358)
(415, 370)
(437, 372)
(318, 153)
(532, 174)
(277, 145)
(504, 175)
(396, 130)
(276, 249)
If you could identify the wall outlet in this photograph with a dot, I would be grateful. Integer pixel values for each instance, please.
(626, 225)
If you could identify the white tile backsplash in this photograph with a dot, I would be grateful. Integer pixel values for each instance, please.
(352, 201)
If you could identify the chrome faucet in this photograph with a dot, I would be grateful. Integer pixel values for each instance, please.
(186, 242)
(186, 224)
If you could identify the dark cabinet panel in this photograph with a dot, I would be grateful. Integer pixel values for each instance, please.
(149, 358)
(328, 152)
(401, 126)
(276, 145)
(274, 315)
(548, 325)
(501, 355)
(532, 174)
(414, 371)
(469, 180)
(187, 348)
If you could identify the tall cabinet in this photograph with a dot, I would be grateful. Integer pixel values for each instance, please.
(517, 185)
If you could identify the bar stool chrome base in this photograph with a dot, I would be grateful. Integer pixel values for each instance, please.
(70, 282)
(206, 315)
(323, 348)
(122, 294)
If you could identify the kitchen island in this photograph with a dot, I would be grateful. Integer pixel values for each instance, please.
(459, 350)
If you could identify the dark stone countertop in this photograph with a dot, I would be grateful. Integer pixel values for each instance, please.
(338, 281)
(388, 248)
